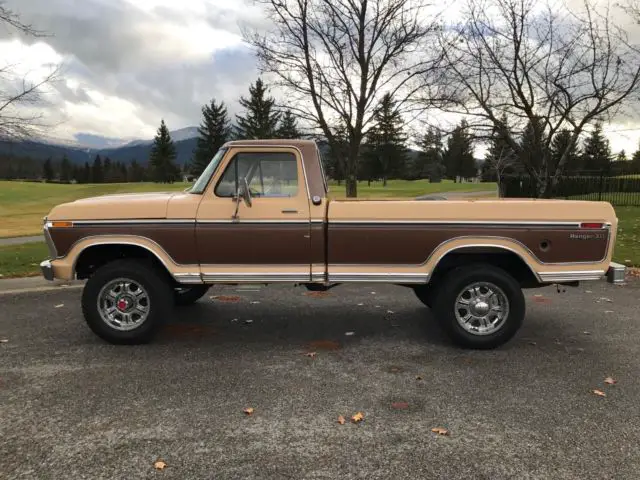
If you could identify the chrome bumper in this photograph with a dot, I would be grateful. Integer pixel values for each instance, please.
(47, 270)
(615, 273)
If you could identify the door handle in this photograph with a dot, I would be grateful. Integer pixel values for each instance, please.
(289, 210)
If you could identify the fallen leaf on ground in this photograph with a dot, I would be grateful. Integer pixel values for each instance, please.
(600, 393)
(4, 340)
(248, 410)
(349, 334)
(587, 332)
(390, 312)
(440, 431)
(358, 417)
(341, 420)
(377, 306)
(400, 405)
(60, 305)
(226, 298)
(234, 319)
(159, 464)
(324, 345)
(541, 299)
(255, 301)
(311, 354)
(248, 321)
(373, 293)
(317, 294)
(360, 304)
(395, 369)
(532, 343)
(610, 381)
(609, 311)
(588, 291)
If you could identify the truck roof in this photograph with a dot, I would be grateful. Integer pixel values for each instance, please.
(271, 142)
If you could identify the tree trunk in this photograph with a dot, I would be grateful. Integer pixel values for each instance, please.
(351, 182)
(384, 181)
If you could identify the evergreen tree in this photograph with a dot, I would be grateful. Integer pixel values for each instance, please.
(560, 143)
(107, 170)
(596, 156)
(386, 141)
(533, 153)
(86, 173)
(97, 175)
(261, 117)
(213, 132)
(621, 157)
(136, 172)
(123, 173)
(288, 126)
(162, 157)
(65, 170)
(500, 159)
(47, 170)
(429, 162)
(458, 156)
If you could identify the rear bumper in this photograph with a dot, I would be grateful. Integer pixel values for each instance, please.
(47, 270)
(615, 273)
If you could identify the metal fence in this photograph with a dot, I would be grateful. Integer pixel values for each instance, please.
(621, 190)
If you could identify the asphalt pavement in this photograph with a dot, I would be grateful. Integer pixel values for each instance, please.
(72, 406)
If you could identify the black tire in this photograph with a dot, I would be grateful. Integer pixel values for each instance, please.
(425, 293)
(156, 287)
(188, 295)
(456, 283)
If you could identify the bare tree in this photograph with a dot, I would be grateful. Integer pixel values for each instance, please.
(539, 65)
(19, 94)
(335, 58)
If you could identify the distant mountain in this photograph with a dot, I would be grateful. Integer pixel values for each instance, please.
(184, 138)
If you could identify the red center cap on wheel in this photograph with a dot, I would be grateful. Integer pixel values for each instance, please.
(122, 304)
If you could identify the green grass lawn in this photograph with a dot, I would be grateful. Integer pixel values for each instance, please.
(406, 188)
(627, 249)
(22, 260)
(23, 204)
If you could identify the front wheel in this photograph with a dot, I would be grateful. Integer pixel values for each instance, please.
(188, 295)
(480, 306)
(125, 301)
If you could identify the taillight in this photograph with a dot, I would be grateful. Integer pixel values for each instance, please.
(591, 225)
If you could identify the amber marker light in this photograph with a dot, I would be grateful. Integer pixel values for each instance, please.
(55, 224)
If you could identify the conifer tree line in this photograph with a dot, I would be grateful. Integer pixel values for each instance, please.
(387, 151)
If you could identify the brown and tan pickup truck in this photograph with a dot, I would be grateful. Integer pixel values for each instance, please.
(260, 213)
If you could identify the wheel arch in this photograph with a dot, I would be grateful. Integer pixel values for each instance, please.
(509, 257)
(90, 253)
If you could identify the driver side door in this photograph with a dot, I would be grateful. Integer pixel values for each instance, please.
(270, 239)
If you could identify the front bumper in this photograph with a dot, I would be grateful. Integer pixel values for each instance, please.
(47, 270)
(615, 273)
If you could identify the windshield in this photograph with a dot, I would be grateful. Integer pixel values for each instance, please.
(205, 176)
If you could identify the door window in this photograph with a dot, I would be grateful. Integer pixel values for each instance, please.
(272, 174)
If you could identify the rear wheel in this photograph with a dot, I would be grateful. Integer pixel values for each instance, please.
(480, 306)
(188, 295)
(125, 301)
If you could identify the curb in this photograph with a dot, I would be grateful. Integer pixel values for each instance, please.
(11, 286)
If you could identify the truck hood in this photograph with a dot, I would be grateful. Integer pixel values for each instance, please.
(117, 206)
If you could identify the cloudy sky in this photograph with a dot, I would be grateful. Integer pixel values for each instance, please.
(128, 63)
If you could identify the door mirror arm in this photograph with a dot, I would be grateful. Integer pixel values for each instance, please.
(244, 193)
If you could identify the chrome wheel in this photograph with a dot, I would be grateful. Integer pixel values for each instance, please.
(481, 308)
(123, 304)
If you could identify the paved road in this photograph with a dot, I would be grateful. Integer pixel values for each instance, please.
(21, 240)
(74, 407)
